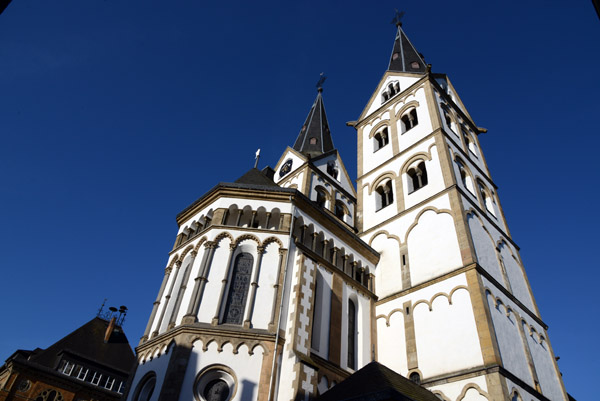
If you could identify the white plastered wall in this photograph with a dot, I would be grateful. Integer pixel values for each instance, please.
(342, 177)
(516, 275)
(472, 389)
(391, 342)
(446, 335)
(377, 100)
(388, 274)
(157, 364)
(246, 368)
(506, 327)
(537, 344)
(433, 247)
(485, 247)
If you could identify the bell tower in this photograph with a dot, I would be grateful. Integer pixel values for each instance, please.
(455, 310)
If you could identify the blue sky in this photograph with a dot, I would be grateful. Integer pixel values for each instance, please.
(116, 115)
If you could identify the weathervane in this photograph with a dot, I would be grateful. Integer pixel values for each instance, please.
(322, 79)
(398, 18)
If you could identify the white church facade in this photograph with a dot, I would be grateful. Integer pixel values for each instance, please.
(284, 283)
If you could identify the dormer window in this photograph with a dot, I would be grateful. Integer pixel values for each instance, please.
(409, 120)
(393, 88)
(312, 141)
(381, 138)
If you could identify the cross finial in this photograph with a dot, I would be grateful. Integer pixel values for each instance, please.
(322, 79)
(398, 18)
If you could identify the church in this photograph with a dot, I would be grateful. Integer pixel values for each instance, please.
(288, 281)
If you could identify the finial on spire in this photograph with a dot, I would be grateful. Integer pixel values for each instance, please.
(398, 18)
(322, 79)
(256, 157)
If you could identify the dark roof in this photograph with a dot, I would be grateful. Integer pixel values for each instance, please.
(405, 57)
(315, 126)
(256, 177)
(87, 342)
(376, 382)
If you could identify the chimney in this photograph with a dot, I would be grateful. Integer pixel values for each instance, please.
(109, 329)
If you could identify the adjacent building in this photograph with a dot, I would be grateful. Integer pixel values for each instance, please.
(91, 363)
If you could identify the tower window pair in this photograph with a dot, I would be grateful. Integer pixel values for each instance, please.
(393, 88)
(384, 195)
(417, 177)
(381, 139)
(409, 120)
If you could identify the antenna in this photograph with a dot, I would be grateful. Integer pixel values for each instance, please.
(113, 312)
(398, 18)
(101, 307)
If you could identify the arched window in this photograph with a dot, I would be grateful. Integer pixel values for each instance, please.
(145, 388)
(238, 289)
(351, 334)
(487, 199)
(465, 178)
(417, 177)
(49, 395)
(381, 139)
(384, 195)
(393, 88)
(321, 198)
(409, 120)
(340, 209)
(469, 143)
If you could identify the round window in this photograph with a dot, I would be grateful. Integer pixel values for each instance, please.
(216, 383)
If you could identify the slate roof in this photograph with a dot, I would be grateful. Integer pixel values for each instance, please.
(375, 382)
(405, 58)
(315, 126)
(87, 342)
(256, 177)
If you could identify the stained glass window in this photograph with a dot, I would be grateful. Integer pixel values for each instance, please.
(238, 289)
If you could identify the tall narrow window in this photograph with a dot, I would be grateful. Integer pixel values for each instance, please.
(381, 139)
(351, 334)
(409, 120)
(238, 289)
(417, 177)
(317, 306)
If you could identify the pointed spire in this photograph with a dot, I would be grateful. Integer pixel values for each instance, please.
(405, 58)
(314, 138)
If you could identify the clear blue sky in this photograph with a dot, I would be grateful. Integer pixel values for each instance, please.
(117, 114)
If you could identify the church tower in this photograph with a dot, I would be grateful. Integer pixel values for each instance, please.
(455, 310)
(267, 292)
